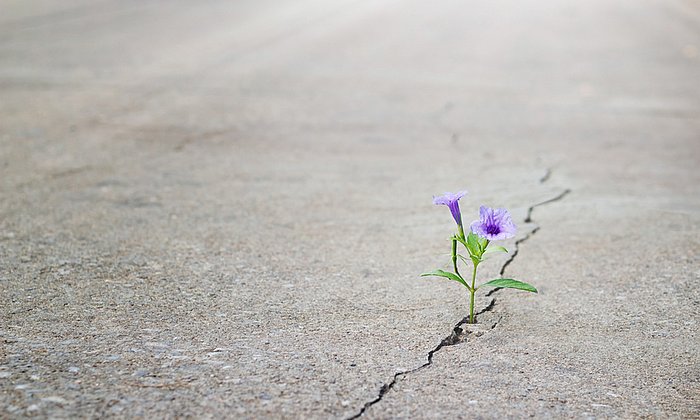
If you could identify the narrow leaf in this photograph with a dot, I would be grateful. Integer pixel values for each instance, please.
(466, 261)
(510, 284)
(447, 275)
(495, 248)
(474, 260)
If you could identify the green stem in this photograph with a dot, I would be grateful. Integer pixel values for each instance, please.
(473, 291)
(461, 232)
(454, 257)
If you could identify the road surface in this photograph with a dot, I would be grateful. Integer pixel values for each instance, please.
(221, 209)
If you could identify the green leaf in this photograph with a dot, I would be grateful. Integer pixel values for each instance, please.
(483, 243)
(510, 284)
(495, 248)
(473, 244)
(447, 275)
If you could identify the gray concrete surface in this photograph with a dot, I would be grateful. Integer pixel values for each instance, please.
(220, 209)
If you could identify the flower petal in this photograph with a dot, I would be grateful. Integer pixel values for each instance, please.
(494, 224)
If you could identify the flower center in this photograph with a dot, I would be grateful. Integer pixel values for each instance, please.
(493, 229)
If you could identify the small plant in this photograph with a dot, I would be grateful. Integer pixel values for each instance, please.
(492, 225)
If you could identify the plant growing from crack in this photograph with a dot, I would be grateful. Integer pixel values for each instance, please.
(493, 224)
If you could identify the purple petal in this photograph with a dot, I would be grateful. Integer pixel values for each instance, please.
(451, 200)
(494, 224)
(448, 197)
(477, 228)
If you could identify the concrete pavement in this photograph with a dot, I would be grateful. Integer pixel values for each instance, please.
(221, 209)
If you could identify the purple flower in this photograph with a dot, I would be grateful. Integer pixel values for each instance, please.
(451, 200)
(493, 224)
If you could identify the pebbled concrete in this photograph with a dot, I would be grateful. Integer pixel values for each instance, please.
(220, 210)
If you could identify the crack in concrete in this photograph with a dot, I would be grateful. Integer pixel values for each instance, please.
(459, 334)
(528, 219)
(545, 177)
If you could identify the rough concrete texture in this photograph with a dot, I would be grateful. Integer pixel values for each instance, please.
(220, 209)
